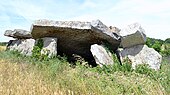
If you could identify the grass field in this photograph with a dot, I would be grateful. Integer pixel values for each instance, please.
(20, 75)
(2, 48)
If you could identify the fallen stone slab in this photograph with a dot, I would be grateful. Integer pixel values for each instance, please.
(101, 55)
(18, 33)
(75, 37)
(142, 54)
(132, 35)
(24, 46)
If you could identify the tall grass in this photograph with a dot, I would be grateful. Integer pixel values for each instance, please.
(22, 75)
(2, 48)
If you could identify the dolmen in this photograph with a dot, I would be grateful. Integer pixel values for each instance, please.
(90, 40)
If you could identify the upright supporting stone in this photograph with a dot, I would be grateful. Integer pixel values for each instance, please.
(49, 46)
(25, 46)
(101, 56)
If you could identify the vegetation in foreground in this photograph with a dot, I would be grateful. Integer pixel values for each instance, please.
(20, 75)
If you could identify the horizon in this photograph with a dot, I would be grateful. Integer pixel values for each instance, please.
(153, 15)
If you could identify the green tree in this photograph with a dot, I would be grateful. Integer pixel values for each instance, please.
(157, 46)
(149, 42)
(167, 40)
(154, 43)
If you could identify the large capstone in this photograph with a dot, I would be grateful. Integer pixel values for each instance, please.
(18, 33)
(75, 37)
(101, 55)
(132, 35)
(142, 54)
(49, 47)
(24, 46)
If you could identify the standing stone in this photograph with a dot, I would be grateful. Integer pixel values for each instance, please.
(101, 56)
(24, 46)
(49, 46)
(142, 54)
(132, 35)
(18, 33)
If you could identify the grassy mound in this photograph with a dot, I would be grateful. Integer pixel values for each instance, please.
(22, 75)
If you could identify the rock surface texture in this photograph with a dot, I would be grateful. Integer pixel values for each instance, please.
(142, 54)
(114, 29)
(101, 55)
(24, 46)
(132, 35)
(18, 33)
(75, 37)
(49, 47)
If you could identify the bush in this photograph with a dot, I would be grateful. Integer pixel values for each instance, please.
(157, 46)
(165, 49)
(167, 40)
(36, 52)
(154, 43)
(165, 52)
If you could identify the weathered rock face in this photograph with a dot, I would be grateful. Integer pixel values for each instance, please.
(132, 35)
(101, 56)
(75, 37)
(142, 54)
(25, 46)
(9, 33)
(114, 29)
(49, 46)
(18, 33)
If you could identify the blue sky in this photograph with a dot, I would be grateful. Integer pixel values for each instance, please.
(153, 15)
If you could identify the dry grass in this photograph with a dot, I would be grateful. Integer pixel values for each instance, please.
(56, 77)
(2, 48)
(26, 79)
(22, 79)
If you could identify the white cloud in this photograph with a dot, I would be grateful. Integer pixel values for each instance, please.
(28, 10)
(154, 15)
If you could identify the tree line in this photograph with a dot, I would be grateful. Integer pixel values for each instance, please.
(162, 46)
